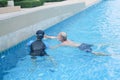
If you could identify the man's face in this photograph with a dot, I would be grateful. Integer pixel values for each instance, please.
(59, 37)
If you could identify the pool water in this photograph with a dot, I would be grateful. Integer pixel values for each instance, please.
(99, 24)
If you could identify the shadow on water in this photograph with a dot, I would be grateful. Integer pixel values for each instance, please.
(9, 58)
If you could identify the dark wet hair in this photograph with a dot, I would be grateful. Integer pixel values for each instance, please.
(40, 34)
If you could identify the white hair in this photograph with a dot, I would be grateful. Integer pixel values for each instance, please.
(64, 35)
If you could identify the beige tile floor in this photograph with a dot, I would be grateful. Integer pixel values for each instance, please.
(50, 4)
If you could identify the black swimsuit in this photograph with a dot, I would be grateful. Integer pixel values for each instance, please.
(86, 47)
(38, 48)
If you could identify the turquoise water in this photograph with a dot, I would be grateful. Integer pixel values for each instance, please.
(99, 24)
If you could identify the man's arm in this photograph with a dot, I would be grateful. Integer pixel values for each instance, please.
(50, 37)
(59, 45)
(56, 46)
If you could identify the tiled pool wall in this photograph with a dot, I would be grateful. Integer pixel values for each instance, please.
(16, 29)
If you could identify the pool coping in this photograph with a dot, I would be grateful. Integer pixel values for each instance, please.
(30, 10)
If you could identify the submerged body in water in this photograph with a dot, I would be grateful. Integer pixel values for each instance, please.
(62, 37)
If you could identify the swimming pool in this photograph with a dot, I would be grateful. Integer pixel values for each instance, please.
(99, 24)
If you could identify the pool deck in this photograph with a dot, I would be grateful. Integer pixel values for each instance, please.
(46, 5)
